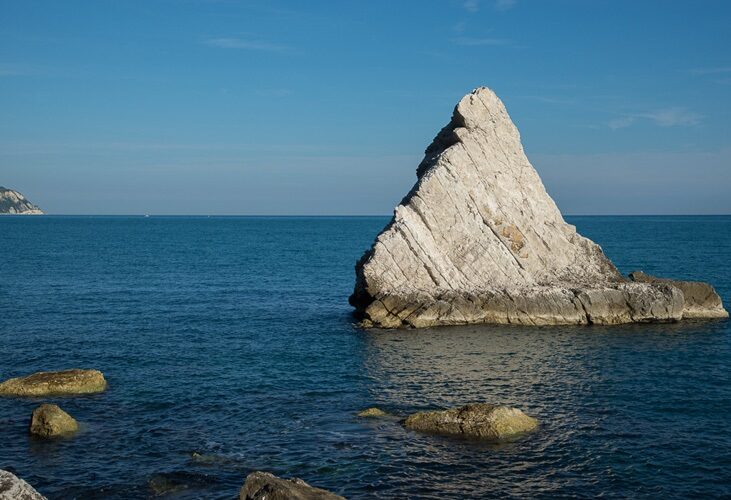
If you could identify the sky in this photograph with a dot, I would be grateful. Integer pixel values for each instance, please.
(325, 108)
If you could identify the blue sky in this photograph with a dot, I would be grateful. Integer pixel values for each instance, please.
(275, 107)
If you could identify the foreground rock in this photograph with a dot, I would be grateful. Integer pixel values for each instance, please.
(478, 420)
(14, 488)
(700, 300)
(50, 421)
(265, 486)
(479, 240)
(65, 382)
(12, 202)
(372, 413)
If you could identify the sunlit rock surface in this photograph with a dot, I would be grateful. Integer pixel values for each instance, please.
(14, 488)
(479, 240)
(477, 420)
(12, 202)
(66, 382)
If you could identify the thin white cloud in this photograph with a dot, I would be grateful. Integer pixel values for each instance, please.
(711, 71)
(476, 42)
(471, 5)
(503, 5)
(246, 44)
(666, 117)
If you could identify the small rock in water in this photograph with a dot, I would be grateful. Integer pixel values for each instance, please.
(67, 382)
(372, 413)
(14, 488)
(477, 420)
(266, 486)
(49, 421)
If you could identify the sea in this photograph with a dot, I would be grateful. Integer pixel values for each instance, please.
(229, 347)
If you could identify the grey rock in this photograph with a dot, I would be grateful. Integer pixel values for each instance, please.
(50, 421)
(266, 486)
(700, 300)
(477, 420)
(479, 240)
(12, 202)
(14, 488)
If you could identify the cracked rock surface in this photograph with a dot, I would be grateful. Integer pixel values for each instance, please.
(479, 240)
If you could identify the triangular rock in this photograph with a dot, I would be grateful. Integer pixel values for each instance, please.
(479, 240)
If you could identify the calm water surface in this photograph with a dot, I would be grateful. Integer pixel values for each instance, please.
(229, 347)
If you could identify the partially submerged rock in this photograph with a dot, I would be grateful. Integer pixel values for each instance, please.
(372, 413)
(65, 382)
(50, 421)
(14, 488)
(700, 300)
(479, 240)
(477, 420)
(266, 486)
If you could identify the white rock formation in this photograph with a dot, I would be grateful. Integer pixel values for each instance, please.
(12, 202)
(479, 240)
(14, 488)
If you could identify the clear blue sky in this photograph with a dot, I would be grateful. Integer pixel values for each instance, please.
(276, 107)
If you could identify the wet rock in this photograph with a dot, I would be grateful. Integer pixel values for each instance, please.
(14, 488)
(49, 421)
(265, 486)
(477, 420)
(479, 240)
(372, 413)
(700, 299)
(67, 382)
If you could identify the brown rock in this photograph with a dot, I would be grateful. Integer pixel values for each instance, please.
(265, 486)
(65, 382)
(477, 420)
(700, 299)
(49, 421)
(372, 413)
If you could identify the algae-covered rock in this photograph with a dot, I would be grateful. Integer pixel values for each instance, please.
(67, 382)
(372, 413)
(14, 488)
(49, 421)
(266, 486)
(477, 420)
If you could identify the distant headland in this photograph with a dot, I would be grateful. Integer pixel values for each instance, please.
(14, 203)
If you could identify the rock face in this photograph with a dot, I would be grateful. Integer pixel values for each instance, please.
(14, 488)
(700, 300)
(265, 486)
(478, 420)
(65, 382)
(50, 421)
(479, 240)
(12, 202)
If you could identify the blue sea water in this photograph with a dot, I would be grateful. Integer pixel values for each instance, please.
(229, 346)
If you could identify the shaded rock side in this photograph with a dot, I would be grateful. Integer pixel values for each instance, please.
(14, 488)
(477, 420)
(50, 421)
(700, 300)
(12, 202)
(479, 240)
(266, 486)
(67, 382)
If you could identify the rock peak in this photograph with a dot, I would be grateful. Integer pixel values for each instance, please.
(479, 240)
